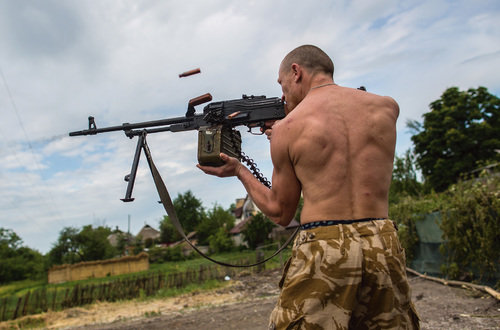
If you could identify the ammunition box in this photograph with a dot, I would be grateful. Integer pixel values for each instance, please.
(212, 140)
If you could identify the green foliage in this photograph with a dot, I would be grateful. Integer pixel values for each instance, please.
(161, 255)
(168, 233)
(123, 240)
(215, 219)
(408, 211)
(256, 231)
(471, 228)
(87, 244)
(221, 241)
(190, 213)
(404, 178)
(189, 210)
(470, 223)
(94, 244)
(65, 250)
(138, 245)
(462, 129)
(18, 262)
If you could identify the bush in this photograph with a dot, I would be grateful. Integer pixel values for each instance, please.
(470, 223)
(471, 228)
(160, 255)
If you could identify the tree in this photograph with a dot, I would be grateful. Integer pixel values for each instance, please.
(168, 233)
(189, 210)
(404, 178)
(215, 218)
(256, 231)
(221, 241)
(18, 262)
(94, 243)
(190, 213)
(461, 131)
(65, 250)
(87, 244)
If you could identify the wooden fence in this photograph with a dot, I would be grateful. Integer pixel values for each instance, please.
(54, 299)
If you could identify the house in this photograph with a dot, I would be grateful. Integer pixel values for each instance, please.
(148, 233)
(115, 236)
(245, 208)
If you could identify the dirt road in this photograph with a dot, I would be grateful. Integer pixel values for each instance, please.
(246, 302)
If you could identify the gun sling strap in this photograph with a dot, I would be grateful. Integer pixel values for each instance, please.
(169, 207)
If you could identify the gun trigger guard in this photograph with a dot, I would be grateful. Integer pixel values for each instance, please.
(253, 132)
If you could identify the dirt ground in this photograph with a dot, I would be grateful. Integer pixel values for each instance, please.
(246, 301)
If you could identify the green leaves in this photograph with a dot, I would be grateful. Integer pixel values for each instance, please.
(87, 244)
(18, 262)
(256, 231)
(462, 129)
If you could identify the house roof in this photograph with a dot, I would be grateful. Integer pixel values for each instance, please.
(238, 212)
(148, 232)
(113, 238)
(239, 227)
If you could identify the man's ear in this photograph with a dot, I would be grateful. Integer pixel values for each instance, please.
(297, 72)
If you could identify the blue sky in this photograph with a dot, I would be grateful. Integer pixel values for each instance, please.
(62, 61)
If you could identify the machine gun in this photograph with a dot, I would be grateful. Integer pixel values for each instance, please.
(216, 126)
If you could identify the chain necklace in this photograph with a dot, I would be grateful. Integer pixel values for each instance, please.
(329, 84)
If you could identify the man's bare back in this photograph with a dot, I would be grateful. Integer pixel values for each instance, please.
(341, 145)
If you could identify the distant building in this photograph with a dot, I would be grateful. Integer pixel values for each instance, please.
(148, 232)
(245, 209)
(114, 237)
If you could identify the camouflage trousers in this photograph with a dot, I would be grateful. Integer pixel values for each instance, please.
(346, 277)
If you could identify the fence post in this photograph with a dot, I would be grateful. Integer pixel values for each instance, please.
(4, 307)
(26, 300)
(17, 307)
(54, 299)
(259, 257)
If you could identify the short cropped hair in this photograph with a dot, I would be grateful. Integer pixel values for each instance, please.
(311, 58)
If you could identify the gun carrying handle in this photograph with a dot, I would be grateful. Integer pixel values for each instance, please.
(200, 100)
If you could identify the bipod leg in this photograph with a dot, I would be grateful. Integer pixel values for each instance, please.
(130, 178)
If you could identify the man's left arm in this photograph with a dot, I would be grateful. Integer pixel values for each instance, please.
(278, 203)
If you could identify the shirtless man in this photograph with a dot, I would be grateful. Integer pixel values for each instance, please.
(336, 147)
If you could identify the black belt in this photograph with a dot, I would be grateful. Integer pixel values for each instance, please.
(324, 223)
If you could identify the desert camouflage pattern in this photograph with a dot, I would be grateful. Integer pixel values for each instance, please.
(346, 277)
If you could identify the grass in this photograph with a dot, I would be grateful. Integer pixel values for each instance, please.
(22, 287)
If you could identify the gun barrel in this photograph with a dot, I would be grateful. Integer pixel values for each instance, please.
(127, 127)
(249, 111)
